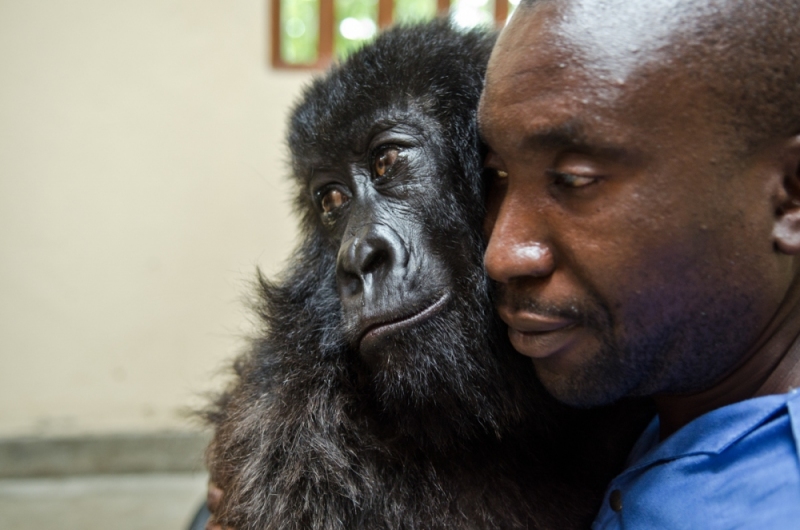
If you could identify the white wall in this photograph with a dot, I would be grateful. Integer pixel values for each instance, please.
(141, 182)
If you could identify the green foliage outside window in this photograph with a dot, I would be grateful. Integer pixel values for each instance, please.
(356, 22)
(413, 10)
(471, 13)
(299, 31)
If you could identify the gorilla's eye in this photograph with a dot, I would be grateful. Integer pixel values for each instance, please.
(332, 199)
(384, 160)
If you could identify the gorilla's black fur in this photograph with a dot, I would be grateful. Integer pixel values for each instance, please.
(446, 427)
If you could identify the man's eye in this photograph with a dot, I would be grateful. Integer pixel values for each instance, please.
(494, 177)
(568, 180)
(384, 159)
(495, 173)
(332, 199)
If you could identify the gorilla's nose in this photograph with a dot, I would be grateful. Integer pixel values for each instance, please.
(370, 258)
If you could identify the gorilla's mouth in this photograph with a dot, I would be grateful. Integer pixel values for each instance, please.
(377, 330)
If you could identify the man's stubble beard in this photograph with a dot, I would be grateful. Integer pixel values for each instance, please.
(677, 357)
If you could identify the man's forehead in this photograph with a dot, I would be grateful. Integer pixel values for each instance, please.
(595, 56)
(614, 38)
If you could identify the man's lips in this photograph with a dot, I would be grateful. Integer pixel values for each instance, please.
(527, 322)
(536, 335)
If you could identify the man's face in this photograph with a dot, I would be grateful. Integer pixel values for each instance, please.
(631, 244)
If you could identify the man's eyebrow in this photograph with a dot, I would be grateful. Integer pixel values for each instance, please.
(569, 136)
(563, 135)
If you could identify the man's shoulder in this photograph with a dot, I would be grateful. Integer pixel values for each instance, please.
(735, 467)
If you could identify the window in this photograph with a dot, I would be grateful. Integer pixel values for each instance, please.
(310, 33)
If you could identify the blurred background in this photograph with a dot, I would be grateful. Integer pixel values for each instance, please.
(142, 182)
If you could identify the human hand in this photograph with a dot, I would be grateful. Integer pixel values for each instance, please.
(213, 499)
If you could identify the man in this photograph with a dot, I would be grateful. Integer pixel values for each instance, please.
(644, 229)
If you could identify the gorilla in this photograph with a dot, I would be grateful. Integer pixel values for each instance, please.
(382, 392)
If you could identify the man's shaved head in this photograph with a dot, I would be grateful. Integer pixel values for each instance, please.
(743, 54)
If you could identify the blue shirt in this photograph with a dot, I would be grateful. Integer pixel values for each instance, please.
(734, 467)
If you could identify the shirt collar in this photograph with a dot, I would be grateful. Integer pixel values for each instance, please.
(711, 433)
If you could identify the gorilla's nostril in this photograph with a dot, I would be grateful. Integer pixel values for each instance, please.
(374, 261)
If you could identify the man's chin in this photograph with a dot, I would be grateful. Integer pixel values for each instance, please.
(586, 386)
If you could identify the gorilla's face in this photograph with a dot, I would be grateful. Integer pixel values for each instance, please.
(381, 208)
(413, 293)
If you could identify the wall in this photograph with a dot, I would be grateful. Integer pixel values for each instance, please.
(141, 183)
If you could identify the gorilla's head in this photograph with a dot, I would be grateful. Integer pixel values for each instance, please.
(389, 169)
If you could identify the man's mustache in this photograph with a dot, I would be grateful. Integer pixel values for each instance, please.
(589, 313)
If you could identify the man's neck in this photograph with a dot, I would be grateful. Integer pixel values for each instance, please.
(772, 366)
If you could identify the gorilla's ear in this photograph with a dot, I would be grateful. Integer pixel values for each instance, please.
(786, 232)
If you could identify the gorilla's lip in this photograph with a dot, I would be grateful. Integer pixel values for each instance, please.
(378, 329)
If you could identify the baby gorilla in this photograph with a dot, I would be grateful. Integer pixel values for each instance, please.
(382, 393)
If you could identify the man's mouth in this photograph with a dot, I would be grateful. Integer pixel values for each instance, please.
(528, 322)
(536, 335)
(377, 330)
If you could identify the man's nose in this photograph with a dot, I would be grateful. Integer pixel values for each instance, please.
(517, 247)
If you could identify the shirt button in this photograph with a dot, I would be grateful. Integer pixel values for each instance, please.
(615, 500)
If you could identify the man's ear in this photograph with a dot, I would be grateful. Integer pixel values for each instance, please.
(786, 232)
